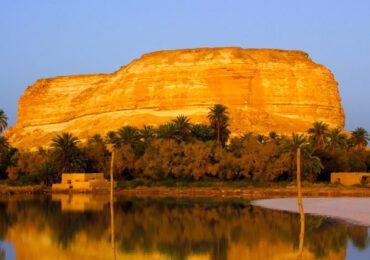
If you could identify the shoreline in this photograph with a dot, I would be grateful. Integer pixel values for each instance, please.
(245, 192)
(248, 192)
(27, 189)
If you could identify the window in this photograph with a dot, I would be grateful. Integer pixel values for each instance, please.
(365, 180)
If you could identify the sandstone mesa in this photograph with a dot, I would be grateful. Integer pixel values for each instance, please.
(264, 89)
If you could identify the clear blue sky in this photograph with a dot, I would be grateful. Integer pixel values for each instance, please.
(46, 38)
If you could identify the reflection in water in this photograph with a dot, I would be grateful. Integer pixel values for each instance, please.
(170, 229)
(6, 251)
(301, 233)
(300, 205)
(81, 202)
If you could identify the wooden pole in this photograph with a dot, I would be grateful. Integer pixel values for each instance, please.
(300, 204)
(112, 203)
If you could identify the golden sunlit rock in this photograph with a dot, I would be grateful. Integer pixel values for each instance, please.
(264, 89)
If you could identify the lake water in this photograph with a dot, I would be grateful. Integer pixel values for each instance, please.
(79, 227)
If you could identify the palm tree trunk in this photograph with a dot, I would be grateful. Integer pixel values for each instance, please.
(111, 172)
(300, 204)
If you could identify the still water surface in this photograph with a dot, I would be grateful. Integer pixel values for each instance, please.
(79, 227)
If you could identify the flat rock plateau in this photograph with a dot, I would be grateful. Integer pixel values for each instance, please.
(264, 89)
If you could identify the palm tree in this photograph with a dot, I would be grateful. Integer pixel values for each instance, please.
(310, 163)
(167, 131)
(247, 136)
(3, 121)
(295, 145)
(336, 140)
(202, 132)
(224, 135)
(67, 154)
(148, 133)
(261, 138)
(274, 137)
(4, 156)
(127, 135)
(360, 138)
(182, 126)
(111, 138)
(219, 120)
(299, 144)
(318, 133)
(8, 157)
(297, 140)
(96, 154)
(300, 199)
(3, 143)
(97, 138)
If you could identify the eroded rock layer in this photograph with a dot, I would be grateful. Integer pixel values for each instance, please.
(264, 89)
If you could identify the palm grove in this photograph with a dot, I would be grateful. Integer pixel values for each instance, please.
(184, 151)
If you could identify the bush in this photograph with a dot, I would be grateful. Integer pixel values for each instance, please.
(137, 182)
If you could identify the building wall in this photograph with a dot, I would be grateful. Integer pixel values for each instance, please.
(82, 182)
(348, 178)
(73, 177)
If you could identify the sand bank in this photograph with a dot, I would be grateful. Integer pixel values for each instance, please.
(354, 210)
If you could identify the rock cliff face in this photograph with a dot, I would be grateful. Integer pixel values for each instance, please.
(264, 89)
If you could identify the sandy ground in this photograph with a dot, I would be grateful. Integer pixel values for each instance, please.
(353, 210)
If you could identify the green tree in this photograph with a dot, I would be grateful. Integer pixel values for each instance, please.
(48, 172)
(273, 135)
(3, 121)
(236, 147)
(182, 127)
(276, 138)
(202, 132)
(67, 154)
(97, 138)
(3, 142)
(224, 134)
(332, 155)
(297, 140)
(218, 117)
(8, 157)
(148, 133)
(311, 164)
(247, 136)
(127, 135)
(262, 138)
(318, 134)
(111, 138)
(96, 154)
(360, 138)
(357, 160)
(336, 140)
(167, 132)
(131, 147)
